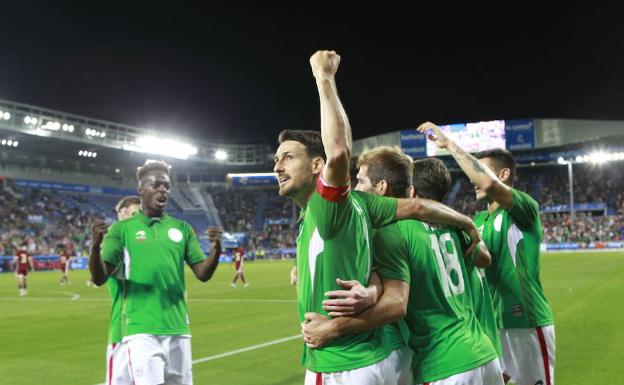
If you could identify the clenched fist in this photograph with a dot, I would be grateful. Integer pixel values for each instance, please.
(324, 64)
(98, 229)
(214, 233)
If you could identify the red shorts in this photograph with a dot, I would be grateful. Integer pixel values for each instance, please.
(22, 270)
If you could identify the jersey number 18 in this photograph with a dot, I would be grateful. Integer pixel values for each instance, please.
(448, 262)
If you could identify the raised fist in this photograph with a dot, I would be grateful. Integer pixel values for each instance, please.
(324, 64)
(98, 229)
(214, 233)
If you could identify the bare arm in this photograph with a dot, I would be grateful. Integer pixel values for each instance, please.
(480, 175)
(206, 268)
(482, 257)
(100, 270)
(354, 299)
(31, 263)
(335, 128)
(318, 330)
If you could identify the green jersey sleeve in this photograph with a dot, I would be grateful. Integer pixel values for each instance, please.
(524, 209)
(382, 210)
(391, 253)
(193, 253)
(112, 248)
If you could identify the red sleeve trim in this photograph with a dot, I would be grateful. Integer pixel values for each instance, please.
(331, 193)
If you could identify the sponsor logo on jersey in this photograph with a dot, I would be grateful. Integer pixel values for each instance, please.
(140, 236)
(175, 235)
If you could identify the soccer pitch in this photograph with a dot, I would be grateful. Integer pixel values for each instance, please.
(57, 335)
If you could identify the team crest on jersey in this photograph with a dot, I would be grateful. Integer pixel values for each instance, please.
(175, 235)
(517, 311)
(140, 236)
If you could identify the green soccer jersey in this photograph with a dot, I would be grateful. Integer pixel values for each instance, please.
(335, 242)
(149, 254)
(483, 306)
(114, 327)
(444, 334)
(513, 237)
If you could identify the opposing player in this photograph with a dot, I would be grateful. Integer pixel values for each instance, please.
(512, 231)
(238, 260)
(64, 259)
(117, 364)
(334, 236)
(424, 262)
(22, 262)
(147, 252)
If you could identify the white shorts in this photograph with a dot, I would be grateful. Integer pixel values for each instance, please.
(393, 370)
(486, 374)
(529, 355)
(156, 360)
(117, 370)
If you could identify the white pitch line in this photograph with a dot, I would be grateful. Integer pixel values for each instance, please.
(243, 350)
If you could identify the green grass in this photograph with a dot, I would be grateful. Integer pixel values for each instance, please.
(48, 338)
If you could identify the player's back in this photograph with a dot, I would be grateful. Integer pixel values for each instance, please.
(444, 333)
(335, 242)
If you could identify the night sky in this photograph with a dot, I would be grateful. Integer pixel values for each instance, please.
(240, 72)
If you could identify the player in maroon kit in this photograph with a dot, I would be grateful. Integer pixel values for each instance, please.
(22, 261)
(239, 257)
(64, 258)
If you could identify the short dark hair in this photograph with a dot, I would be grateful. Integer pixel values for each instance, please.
(389, 164)
(152, 165)
(126, 202)
(310, 139)
(432, 179)
(501, 159)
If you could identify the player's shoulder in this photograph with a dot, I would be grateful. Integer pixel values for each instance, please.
(523, 195)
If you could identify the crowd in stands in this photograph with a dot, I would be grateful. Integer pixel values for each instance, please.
(48, 222)
(43, 222)
(267, 219)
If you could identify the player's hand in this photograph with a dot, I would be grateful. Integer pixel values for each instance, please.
(98, 229)
(434, 134)
(475, 239)
(324, 64)
(214, 233)
(349, 302)
(293, 276)
(317, 330)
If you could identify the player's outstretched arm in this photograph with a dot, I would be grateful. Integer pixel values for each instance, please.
(206, 268)
(100, 270)
(480, 175)
(31, 263)
(318, 330)
(335, 128)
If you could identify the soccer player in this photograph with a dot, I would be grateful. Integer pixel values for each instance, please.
(64, 258)
(431, 174)
(117, 369)
(22, 261)
(335, 233)
(512, 231)
(424, 262)
(147, 252)
(239, 257)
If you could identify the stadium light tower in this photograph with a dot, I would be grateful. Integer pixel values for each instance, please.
(560, 160)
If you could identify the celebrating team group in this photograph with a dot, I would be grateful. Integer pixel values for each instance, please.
(393, 287)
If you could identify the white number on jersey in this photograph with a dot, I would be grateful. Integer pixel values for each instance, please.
(448, 261)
